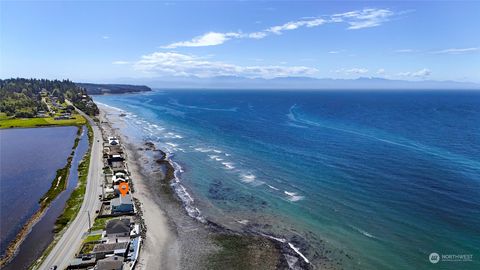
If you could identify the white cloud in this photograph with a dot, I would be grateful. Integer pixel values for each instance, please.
(176, 64)
(120, 62)
(404, 51)
(208, 39)
(352, 71)
(380, 71)
(105, 37)
(366, 18)
(457, 50)
(422, 73)
(357, 19)
(295, 24)
(333, 52)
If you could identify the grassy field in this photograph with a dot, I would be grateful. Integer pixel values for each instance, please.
(92, 238)
(40, 122)
(100, 223)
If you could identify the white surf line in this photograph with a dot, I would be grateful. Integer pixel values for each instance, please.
(297, 250)
(282, 240)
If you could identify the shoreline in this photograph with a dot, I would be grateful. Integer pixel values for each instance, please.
(217, 241)
(14, 245)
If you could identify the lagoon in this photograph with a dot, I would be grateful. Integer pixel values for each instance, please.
(29, 159)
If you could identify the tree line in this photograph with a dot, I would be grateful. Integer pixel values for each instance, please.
(20, 97)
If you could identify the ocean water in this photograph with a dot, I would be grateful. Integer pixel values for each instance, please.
(360, 180)
(29, 159)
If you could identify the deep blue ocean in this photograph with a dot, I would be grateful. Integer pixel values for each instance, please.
(366, 180)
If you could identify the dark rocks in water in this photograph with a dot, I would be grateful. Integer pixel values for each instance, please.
(122, 115)
(160, 161)
(217, 190)
(250, 241)
(149, 146)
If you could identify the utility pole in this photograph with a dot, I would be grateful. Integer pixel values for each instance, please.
(89, 222)
(103, 191)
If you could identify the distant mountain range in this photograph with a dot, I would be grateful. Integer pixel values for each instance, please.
(100, 89)
(301, 83)
(231, 82)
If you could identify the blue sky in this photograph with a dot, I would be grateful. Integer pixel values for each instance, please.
(107, 41)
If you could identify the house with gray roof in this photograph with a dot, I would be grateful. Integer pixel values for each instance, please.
(122, 204)
(110, 263)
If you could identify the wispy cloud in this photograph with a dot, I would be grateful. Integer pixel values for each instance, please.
(422, 73)
(357, 19)
(120, 62)
(457, 50)
(208, 39)
(366, 18)
(444, 51)
(176, 64)
(105, 37)
(405, 51)
(352, 71)
(380, 71)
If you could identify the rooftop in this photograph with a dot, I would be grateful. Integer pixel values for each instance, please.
(110, 263)
(109, 247)
(118, 226)
(127, 199)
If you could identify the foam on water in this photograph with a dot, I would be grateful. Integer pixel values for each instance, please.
(215, 157)
(363, 232)
(247, 177)
(272, 187)
(293, 196)
(182, 193)
(228, 165)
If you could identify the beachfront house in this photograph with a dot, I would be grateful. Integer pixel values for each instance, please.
(117, 179)
(122, 204)
(100, 251)
(110, 263)
(118, 230)
(113, 141)
(115, 157)
(118, 166)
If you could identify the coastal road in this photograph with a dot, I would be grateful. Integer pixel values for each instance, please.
(64, 250)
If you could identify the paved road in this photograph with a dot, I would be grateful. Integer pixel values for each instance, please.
(64, 250)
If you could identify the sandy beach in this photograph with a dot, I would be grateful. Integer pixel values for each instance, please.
(174, 240)
(161, 245)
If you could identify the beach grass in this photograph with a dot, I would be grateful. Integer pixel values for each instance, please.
(6, 122)
(58, 185)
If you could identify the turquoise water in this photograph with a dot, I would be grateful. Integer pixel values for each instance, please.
(367, 180)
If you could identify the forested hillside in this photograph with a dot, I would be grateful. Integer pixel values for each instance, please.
(26, 98)
(100, 89)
